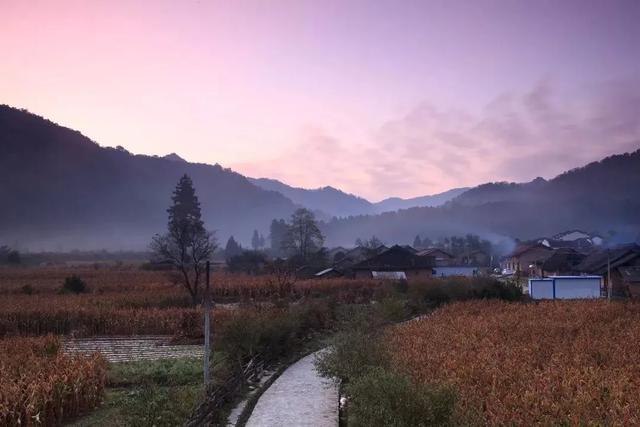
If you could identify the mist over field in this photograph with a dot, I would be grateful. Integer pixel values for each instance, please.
(64, 192)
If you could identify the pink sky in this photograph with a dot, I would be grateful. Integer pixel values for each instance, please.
(378, 98)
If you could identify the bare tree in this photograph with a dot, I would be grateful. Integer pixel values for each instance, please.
(187, 244)
(281, 277)
(303, 237)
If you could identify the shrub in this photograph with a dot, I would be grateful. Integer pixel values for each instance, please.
(314, 315)
(392, 310)
(495, 289)
(75, 285)
(157, 406)
(439, 291)
(384, 398)
(14, 258)
(351, 355)
(378, 396)
(268, 333)
(248, 262)
(27, 289)
(401, 286)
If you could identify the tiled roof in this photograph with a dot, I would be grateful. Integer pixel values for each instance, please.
(432, 251)
(525, 248)
(563, 259)
(356, 255)
(396, 258)
(596, 262)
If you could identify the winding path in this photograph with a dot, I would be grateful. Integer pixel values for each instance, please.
(299, 397)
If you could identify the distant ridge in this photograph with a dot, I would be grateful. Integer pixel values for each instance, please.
(439, 199)
(602, 197)
(174, 157)
(327, 200)
(331, 201)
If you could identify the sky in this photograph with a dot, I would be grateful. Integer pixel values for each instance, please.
(378, 98)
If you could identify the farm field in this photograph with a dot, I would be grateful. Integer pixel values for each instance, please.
(550, 363)
(39, 384)
(264, 317)
(130, 301)
(38, 317)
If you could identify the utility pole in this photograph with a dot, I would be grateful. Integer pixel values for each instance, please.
(609, 284)
(207, 329)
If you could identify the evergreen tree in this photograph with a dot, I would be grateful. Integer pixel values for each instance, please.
(255, 240)
(185, 211)
(187, 244)
(232, 248)
(278, 230)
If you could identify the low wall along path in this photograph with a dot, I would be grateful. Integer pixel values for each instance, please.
(129, 349)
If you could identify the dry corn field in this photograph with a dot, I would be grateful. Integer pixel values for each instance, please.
(551, 363)
(130, 301)
(41, 386)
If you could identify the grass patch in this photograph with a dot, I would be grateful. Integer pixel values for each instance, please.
(149, 393)
(168, 372)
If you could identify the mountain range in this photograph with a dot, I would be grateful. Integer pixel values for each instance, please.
(330, 202)
(602, 197)
(60, 190)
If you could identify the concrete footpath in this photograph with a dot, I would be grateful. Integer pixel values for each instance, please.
(299, 397)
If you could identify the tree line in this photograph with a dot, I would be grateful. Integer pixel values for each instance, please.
(188, 245)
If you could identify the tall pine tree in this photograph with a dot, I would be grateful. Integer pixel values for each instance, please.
(255, 240)
(232, 248)
(187, 244)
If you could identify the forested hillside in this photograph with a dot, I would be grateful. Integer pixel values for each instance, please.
(60, 190)
(600, 197)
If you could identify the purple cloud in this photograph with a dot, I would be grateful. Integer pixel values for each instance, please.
(516, 137)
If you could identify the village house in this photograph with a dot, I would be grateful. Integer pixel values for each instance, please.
(336, 254)
(575, 239)
(343, 266)
(562, 261)
(442, 257)
(447, 265)
(475, 258)
(410, 249)
(396, 262)
(617, 261)
(526, 260)
(574, 235)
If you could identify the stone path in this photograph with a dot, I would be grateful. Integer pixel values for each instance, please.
(299, 397)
